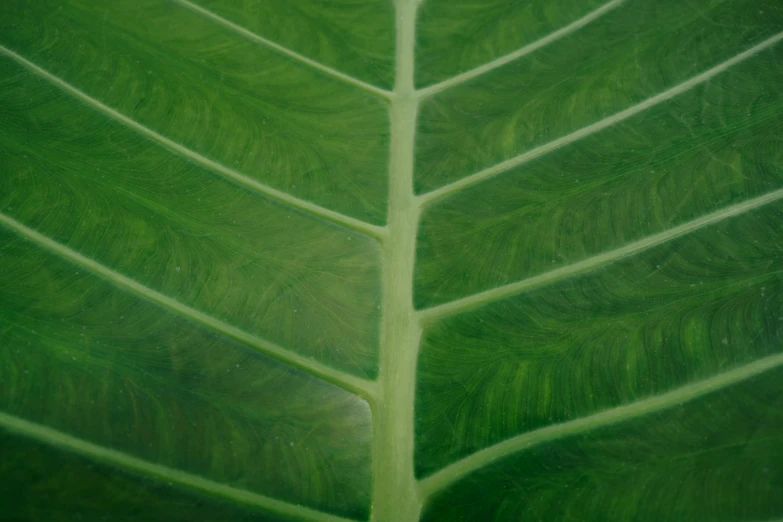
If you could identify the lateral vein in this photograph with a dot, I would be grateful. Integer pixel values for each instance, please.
(451, 188)
(356, 385)
(453, 472)
(483, 298)
(228, 173)
(519, 53)
(334, 73)
(63, 441)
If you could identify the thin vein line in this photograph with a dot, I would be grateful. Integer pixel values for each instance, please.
(63, 441)
(591, 263)
(519, 53)
(446, 190)
(487, 456)
(356, 385)
(241, 179)
(334, 73)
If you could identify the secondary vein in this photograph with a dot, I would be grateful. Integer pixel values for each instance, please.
(231, 174)
(453, 472)
(334, 73)
(519, 53)
(63, 441)
(483, 298)
(451, 188)
(356, 385)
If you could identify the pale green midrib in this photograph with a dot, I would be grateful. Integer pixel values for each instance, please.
(238, 29)
(489, 296)
(468, 181)
(519, 53)
(363, 388)
(62, 441)
(395, 495)
(514, 445)
(375, 231)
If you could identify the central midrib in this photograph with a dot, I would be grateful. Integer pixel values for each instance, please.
(395, 492)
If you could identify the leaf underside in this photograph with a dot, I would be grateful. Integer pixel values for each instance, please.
(377, 260)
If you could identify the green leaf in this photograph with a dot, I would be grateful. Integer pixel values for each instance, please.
(391, 260)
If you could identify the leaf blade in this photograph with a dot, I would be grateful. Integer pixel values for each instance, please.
(680, 312)
(597, 71)
(66, 442)
(291, 54)
(682, 463)
(487, 297)
(454, 472)
(84, 358)
(361, 387)
(519, 53)
(577, 317)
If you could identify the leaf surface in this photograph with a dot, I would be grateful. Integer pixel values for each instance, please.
(390, 261)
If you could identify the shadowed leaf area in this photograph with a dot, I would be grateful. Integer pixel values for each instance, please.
(391, 260)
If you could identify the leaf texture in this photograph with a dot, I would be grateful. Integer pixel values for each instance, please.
(391, 260)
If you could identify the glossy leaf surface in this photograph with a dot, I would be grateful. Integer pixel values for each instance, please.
(391, 260)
